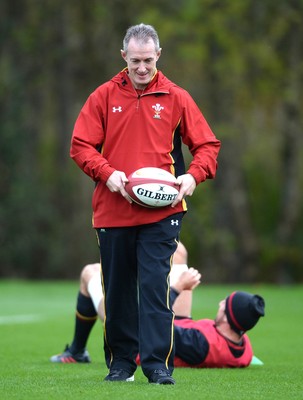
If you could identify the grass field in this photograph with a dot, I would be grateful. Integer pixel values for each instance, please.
(37, 320)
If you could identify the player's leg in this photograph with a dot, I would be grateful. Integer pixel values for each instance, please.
(156, 246)
(92, 287)
(119, 280)
(85, 319)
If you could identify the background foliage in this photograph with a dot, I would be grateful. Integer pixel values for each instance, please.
(242, 63)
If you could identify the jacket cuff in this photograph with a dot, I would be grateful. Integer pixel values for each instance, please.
(198, 173)
(106, 172)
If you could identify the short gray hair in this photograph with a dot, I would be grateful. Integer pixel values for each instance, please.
(142, 33)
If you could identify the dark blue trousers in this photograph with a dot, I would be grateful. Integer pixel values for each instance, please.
(136, 263)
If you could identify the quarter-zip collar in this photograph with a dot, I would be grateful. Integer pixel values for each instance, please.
(158, 84)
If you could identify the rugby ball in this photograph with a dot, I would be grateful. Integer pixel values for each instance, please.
(152, 187)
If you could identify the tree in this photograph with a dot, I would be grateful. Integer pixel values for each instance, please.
(242, 63)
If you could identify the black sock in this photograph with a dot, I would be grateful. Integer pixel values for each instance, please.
(86, 317)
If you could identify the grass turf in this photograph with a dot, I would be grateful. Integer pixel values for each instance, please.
(37, 320)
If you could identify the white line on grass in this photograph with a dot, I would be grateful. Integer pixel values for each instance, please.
(19, 319)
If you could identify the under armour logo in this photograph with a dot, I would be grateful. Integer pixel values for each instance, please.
(174, 222)
(119, 109)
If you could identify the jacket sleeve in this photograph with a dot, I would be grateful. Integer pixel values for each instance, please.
(201, 141)
(191, 345)
(87, 141)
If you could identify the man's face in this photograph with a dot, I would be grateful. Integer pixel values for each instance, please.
(141, 59)
(221, 313)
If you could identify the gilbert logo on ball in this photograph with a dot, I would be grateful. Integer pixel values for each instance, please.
(152, 187)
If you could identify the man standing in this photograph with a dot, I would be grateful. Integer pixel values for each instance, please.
(139, 119)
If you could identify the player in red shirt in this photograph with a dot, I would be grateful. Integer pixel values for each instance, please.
(205, 343)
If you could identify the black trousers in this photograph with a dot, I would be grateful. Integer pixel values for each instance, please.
(136, 263)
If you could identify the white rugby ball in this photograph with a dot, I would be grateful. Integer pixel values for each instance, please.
(152, 187)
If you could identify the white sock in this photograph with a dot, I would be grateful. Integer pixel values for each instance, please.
(94, 288)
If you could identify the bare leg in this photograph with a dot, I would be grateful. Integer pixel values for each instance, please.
(90, 286)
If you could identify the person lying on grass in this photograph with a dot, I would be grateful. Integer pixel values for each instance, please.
(204, 343)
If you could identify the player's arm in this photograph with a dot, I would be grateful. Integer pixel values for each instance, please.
(191, 345)
(188, 280)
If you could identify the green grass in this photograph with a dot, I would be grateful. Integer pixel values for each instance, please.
(44, 323)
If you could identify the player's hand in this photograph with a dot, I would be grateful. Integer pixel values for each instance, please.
(188, 280)
(187, 186)
(116, 183)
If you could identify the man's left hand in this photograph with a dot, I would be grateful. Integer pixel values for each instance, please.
(187, 186)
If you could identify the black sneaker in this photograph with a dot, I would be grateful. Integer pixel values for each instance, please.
(119, 375)
(67, 357)
(161, 377)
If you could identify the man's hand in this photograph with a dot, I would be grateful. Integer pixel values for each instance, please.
(116, 183)
(188, 280)
(187, 186)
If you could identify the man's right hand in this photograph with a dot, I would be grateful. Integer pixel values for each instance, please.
(116, 183)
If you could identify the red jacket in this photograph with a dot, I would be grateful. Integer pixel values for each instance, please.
(117, 129)
(219, 354)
